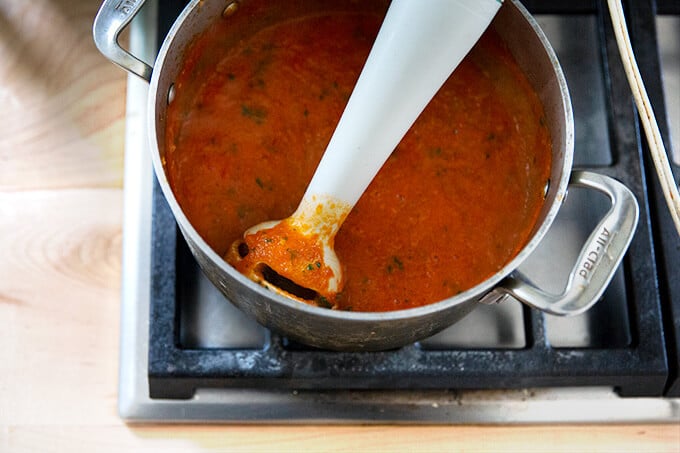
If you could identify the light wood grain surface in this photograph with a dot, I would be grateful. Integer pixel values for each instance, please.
(61, 165)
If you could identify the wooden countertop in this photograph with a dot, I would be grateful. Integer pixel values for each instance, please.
(61, 167)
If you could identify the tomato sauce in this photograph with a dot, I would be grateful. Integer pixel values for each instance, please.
(452, 205)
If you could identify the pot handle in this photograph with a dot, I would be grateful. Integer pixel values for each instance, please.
(597, 262)
(112, 18)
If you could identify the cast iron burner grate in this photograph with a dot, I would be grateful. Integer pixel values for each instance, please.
(198, 340)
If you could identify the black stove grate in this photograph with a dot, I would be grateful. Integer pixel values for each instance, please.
(637, 365)
(667, 242)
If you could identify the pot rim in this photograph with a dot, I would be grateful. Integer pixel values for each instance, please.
(476, 291)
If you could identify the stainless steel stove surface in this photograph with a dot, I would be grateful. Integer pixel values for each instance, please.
(188, 355)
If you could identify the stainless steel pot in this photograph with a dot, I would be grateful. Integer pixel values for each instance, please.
(340, 330)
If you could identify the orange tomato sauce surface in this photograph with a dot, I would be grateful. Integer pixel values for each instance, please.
(454, 203)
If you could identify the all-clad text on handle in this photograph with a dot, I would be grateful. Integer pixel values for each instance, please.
(597, 262)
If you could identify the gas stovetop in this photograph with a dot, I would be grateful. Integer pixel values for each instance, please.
(188, 354)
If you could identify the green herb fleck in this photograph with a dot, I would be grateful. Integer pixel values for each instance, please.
(323, 302)
(312, 266)
(395, 265)
(435, 152)
(257, 114)
(263, 185)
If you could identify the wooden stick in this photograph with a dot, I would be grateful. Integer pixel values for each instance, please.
(649, 124)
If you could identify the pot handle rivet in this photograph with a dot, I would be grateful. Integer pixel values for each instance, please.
(171, 94)
(230, 9)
